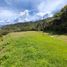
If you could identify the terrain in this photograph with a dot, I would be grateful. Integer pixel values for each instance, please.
(32, 49)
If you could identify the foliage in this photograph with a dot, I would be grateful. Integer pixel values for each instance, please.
(58, 23)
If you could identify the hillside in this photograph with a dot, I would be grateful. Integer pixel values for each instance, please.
(32, 49)
(27, 26)
(57, 24)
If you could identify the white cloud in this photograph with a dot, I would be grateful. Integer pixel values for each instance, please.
(24, 16)
(6, 13)
(44, 8)
(48, 6)
(26, 12)
(7, 16)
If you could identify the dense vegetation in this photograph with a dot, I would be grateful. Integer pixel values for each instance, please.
(58, 23)
(32, 49)
(27, 26)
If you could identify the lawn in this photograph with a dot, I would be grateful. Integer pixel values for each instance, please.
(32, 49)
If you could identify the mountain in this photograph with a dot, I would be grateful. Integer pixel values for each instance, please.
(57, 24)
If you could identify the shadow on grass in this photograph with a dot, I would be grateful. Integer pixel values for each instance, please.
(50, 32)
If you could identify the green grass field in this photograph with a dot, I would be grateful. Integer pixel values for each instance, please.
(32, 49)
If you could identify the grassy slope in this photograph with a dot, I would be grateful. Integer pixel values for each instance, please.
(32, 49)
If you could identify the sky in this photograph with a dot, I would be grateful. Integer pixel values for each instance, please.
(13, 11)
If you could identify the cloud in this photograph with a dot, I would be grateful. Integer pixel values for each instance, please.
(26, 16)
(7, 16)
(28, 10)
(23, 16)
(48, 6)
(6, 13)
